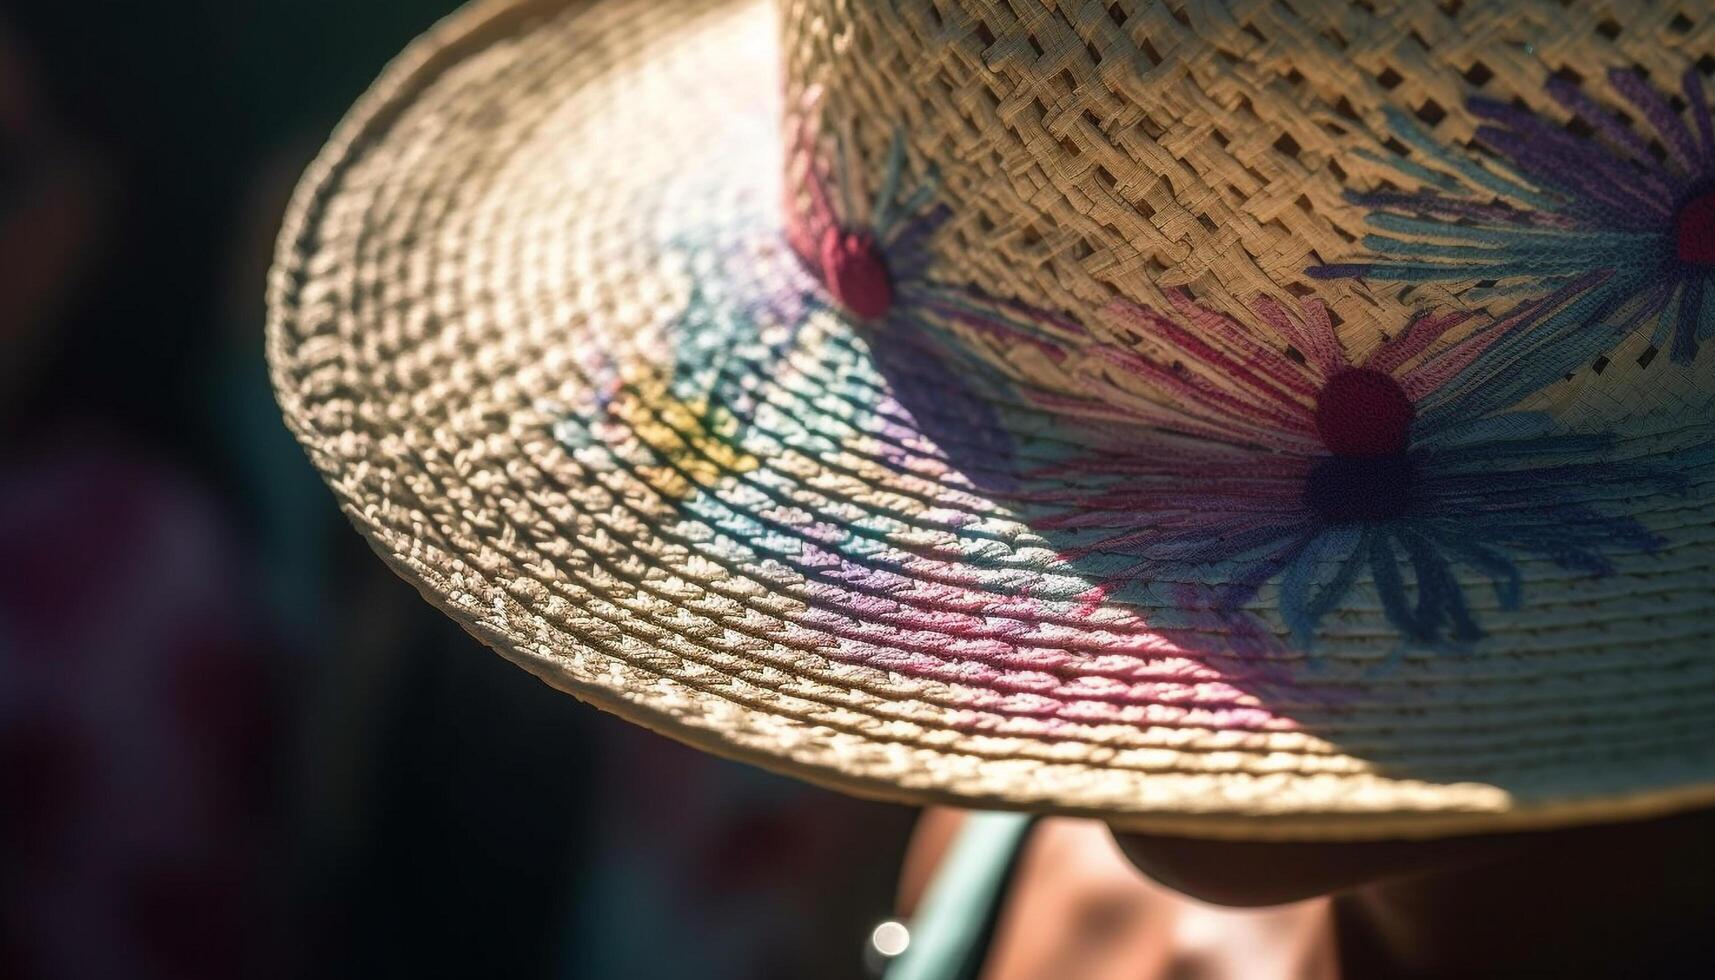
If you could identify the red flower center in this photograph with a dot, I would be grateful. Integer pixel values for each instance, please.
(1694, 230)
(1363, 412)
(856, 273)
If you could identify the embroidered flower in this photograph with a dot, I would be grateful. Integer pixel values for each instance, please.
(868, 271)
(1307, 467)
(1629, 214)
(875, 261)
(876, 265)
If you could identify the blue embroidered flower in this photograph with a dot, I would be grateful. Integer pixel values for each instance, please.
(1624, 219)
(1330, 468)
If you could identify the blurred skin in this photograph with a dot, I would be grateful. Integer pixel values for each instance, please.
(1080, 911)
(1616, 900)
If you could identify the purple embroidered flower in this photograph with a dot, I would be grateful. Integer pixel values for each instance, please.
(1308, 468)
(1627, 212)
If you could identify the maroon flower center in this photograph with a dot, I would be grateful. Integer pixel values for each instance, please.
(856, 273)
(1694, 230)
(1364, 413)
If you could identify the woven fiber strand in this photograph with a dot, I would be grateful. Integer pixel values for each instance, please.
(487, 279)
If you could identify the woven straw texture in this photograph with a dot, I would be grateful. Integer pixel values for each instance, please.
(535, 319)
(1102, 150)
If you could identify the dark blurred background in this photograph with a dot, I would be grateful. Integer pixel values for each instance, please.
(231, 742)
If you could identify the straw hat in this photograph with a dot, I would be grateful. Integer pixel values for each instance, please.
(1239, 420)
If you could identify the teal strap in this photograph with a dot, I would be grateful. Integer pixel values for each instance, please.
(957, 910)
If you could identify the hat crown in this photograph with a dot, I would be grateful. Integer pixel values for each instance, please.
(1084, 154)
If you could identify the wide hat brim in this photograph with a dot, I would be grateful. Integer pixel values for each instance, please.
(514, 321)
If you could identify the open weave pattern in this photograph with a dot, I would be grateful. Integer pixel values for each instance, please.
(534, 321)
(1098, 150)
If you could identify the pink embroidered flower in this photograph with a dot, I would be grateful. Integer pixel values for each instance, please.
(877, 265)
(876, 259)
